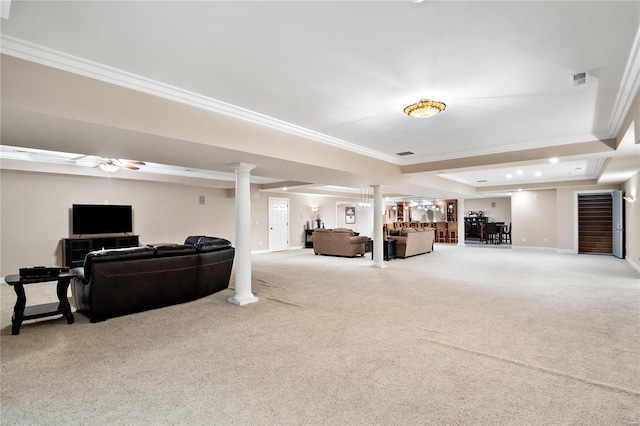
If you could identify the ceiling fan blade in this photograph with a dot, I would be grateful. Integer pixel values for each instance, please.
(137, 163)
(130, 167)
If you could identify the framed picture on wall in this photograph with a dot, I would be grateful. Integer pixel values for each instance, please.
(349, 215)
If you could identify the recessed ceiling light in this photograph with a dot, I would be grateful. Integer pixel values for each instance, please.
(553, 160)
(538, 174)
(519, 189)
(509, 176)
(519, 172)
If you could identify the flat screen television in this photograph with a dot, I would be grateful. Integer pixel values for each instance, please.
(101, 219)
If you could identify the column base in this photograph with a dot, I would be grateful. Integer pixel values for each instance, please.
(241, 301)
(378, 265)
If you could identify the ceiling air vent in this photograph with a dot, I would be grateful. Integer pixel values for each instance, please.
(578, 78)
(402, 154)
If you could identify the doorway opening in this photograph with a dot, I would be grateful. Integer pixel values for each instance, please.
(595, 223)
(278, 224)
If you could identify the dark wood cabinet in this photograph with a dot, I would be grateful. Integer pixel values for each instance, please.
(308, 243)
(473, 226)
(389, 248)
(452, 211)
(74, 250)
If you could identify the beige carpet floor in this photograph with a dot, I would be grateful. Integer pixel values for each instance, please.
(461, 336)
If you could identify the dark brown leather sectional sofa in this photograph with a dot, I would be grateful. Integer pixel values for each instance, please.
(124, 281)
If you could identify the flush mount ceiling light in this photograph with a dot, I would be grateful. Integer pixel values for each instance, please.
(425, 108)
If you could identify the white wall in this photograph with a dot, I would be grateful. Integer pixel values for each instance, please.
(632, 225)
(364, 217)
(534, 219)
(497, 209)
(36, 213)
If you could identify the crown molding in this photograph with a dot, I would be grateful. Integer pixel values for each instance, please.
(504, 149)
(32, 52)
(628, 87)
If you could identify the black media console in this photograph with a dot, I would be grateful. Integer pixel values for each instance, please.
(74, 250)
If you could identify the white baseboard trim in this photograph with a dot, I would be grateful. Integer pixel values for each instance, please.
(267, 251)
(567, 251)
(633, 265)
(259, 251)
(534, 248)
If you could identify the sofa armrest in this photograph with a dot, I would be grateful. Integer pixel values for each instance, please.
(358, 240)
(400, 240)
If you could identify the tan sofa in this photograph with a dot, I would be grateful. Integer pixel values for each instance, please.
(413, 241)
(338, 242)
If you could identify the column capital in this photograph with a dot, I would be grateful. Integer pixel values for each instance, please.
(243, 167)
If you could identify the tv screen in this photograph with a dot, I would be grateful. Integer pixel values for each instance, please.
(101, 219)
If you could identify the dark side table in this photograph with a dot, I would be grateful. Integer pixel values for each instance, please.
(389, 248)
(22, 312)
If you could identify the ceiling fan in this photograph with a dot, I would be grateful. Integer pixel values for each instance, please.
(112, 165)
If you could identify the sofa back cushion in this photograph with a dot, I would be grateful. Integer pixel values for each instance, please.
(163, 250)
(111, 255)
(206, 244)
(344, 230)
(320, 230)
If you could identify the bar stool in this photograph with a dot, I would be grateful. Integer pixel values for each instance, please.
(442, 234)
(490, 232)
(452, 228)
(506, 233)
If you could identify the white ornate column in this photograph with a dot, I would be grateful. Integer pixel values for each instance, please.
(243, 294)
(461, 224)
(378, 246)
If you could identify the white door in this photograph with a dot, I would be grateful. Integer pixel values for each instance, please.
(278, 224)
(618, 224)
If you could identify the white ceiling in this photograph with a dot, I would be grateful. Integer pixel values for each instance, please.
(341, 72)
